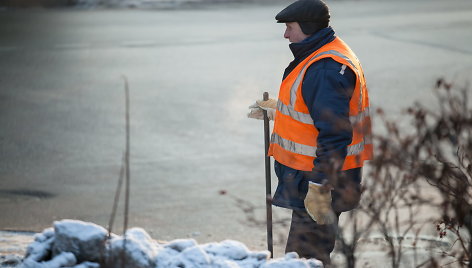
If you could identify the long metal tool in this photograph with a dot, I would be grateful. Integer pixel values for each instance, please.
(270, 242)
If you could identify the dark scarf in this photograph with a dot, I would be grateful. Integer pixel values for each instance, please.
(306, 47)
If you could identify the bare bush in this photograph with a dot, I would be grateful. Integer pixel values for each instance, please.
(419, 169)
(433, 154)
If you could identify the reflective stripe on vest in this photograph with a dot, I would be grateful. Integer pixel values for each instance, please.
(311, 150)
(306, 118)
(293, 146)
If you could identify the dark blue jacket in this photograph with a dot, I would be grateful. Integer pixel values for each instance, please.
(326, 91)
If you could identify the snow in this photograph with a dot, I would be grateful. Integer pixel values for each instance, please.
(80, 238)
(64, 259)
(181, 244)
(78, 244)
(10, 261)
(40, 248)
(139, 249)
(143, 251)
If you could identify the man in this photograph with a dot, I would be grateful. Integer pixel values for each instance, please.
(321, 134)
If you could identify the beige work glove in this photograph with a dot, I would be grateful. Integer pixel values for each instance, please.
(256, 109)
(318, 204)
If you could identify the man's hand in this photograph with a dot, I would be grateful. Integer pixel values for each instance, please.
(318, 204)
(256, 109)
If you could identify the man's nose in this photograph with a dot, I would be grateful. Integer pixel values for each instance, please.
(286, 35)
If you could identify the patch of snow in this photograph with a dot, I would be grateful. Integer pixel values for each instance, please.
(181, 244)
(141, 250)
(10, 261)
(45, 235)
(65, 259)
(195, 256)
(87, 265)
(39, 250)
(138, 249)
(79, 244)
(229, 249)
(80, 238)
(291, 260)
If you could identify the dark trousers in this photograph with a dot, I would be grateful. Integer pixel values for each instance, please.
(306, 237)
(309, 239)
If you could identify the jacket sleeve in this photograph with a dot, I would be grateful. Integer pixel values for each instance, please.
(327, 89)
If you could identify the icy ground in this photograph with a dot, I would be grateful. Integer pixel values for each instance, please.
(77, 244)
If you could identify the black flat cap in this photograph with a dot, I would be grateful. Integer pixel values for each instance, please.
(312, 15)
(304, 11)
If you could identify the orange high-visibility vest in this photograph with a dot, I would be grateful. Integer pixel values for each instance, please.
(294, 138)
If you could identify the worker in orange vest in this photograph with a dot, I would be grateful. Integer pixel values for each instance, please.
(322, 130)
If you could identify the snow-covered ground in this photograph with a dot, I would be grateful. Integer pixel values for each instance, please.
(78, 244)
(72, 243)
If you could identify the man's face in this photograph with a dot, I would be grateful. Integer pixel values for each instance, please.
(294, 33)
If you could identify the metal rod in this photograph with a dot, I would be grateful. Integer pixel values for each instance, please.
(270, 243)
